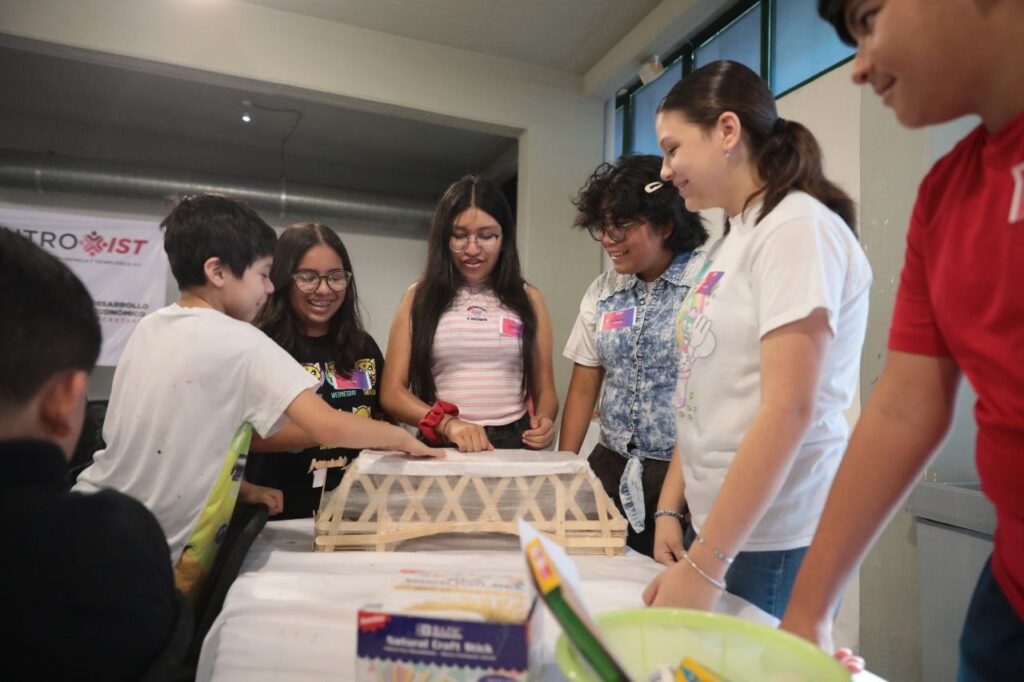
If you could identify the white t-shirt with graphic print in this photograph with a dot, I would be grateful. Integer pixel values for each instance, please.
(189, 378)
(799, 258)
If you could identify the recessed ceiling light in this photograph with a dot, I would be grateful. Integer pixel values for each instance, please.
(246, 118)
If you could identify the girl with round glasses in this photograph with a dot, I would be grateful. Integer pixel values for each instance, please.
(469, 357)
(622, 344)
(314, 315)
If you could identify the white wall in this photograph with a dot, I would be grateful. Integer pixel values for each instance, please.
(560, 129)
(818, 105)
(893, 162)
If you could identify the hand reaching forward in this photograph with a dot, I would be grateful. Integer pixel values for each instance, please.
(466, 436)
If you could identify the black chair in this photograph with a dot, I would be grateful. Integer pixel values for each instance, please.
(90, 440)
(246, 523)
(171, 665)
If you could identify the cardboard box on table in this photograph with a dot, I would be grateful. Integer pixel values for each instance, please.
(450, 627)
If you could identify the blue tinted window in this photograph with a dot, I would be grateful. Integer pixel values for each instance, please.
(802, 45)
(645, 103)
(740, 41)
(620, 123)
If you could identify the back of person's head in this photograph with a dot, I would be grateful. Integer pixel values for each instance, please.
(441, 279)
(50, 331)
(279, 320)
(631, 189)
(785, 154)
(206, 226)
(834, 12)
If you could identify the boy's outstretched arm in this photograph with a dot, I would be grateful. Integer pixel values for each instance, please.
(341, 429)
(902, 424)
(287, 439)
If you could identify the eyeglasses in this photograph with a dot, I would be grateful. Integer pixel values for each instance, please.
(617, 231)
(484, 241)
(308, 281)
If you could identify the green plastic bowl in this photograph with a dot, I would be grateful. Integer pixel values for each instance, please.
(738, 650)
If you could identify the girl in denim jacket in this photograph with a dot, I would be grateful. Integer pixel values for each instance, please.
(623, 336)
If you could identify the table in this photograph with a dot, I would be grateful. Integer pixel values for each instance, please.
(291, 614)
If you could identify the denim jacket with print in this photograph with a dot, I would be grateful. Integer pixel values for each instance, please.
(636, 346)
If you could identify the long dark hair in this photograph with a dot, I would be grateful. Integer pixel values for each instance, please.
(278, 320)
(785, 153)
(440, 281)
(619, 192)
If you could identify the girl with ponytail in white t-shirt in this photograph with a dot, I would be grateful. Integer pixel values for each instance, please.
(769, 340)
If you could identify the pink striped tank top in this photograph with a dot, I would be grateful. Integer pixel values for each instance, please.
(478, 363)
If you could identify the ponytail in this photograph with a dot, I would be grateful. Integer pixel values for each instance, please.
(785, 153)
(791, 159)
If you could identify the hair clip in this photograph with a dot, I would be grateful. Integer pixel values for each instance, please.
(652, 187)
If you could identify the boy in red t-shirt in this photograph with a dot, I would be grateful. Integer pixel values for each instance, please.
(959, 309)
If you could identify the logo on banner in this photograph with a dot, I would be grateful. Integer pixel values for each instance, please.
(119, 260)
(92, 243)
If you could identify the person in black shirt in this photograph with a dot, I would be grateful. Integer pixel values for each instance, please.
(314, 315)
(86, 590)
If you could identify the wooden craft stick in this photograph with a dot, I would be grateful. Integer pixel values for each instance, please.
(559, 517)
(415, 495)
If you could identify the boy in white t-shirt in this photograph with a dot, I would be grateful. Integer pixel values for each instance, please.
(196, 378)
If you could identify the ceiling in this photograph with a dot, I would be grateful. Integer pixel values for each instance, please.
(567, 35)
(83, 109)
(55, 102)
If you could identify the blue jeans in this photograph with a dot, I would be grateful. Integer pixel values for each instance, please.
(992, 643)
(765, 579)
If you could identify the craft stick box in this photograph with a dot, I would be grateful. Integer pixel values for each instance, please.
(436, 626)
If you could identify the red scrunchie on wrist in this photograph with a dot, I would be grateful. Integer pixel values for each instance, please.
(428, 425)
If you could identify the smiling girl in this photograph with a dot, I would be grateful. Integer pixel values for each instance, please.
(470, 345)
(770, 338)
(314, 315)
(622, 343)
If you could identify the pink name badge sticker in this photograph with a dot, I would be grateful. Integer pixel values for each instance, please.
(618, 319)
(511, 327)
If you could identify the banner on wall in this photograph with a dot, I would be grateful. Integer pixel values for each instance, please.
(120, 260)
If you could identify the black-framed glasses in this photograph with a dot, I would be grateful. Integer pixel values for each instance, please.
(308, 281)
(617, 231)
(484, 241)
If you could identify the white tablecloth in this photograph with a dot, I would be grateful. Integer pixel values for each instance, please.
(291, 615)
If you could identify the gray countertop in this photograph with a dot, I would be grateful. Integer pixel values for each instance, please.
(957, 504)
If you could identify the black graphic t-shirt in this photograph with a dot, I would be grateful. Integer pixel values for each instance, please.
(355, 391)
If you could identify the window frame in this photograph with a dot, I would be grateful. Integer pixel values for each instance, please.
(687, 51)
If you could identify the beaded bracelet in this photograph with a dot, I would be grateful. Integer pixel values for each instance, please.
(720, 584)
(445, 423)
(674, 514)
(719, 554)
